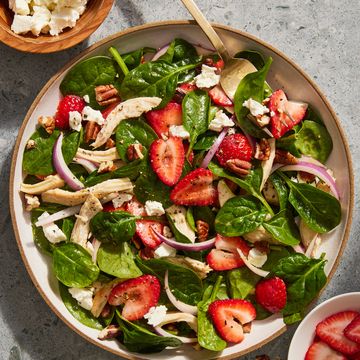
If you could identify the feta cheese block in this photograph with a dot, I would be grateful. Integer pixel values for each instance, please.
(156, 315)
(62, 18)
(51, 231)
(84, 297)
(179, 131)
(256, 109)
(207, 78)
(89, 114)
(164, 250)
(20, 7)
(220, 121)
(154, 208)
(75, 120)
(21, 24)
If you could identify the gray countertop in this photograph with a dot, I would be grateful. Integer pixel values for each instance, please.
(322, 36)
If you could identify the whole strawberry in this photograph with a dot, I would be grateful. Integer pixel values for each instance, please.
(67, 103)
(271, 294)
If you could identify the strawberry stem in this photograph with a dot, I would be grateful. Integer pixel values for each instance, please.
(119, 60)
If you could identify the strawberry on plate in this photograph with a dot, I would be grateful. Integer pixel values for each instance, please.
(161, 120)
(195, 189)
(225, 255)
(218, 96)
(186, 87)
(229, 316)
(284, 114)
(145, 233)
(271, 294)
(167, 159)
(352, 331)
(134, 207)
(109, 207)
(321, 351)
(137, 295)
(67, 103)
(331, 331)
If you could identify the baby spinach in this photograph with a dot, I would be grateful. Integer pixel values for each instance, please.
(195, 107)
(38, 161)
(288, 143)
(113, 226)
(253, 56)
(283, 228)
(179, 236)
(251, 86)
(241, 282)
(133, 59)
(281, 189)
(86, 75)
(67, 226)
(138, 339)
(178, 50)
(240, 215)
(311, 114)
(205, 141)
(73, 265)
(320, 210)
(118, 261)
(133, 131)
(79, 313)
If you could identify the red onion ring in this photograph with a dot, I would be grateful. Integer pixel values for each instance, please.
(160, 52)
(88, 165)
(160, 331)
(309, 159)
(62, 169)
(298, 248)
(62, 214)
(251, 267)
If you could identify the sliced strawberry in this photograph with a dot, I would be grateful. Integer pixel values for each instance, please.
(186, 87)
(109, 109)
(161, 120)
(331, 331)
(229, 316)
(109, 207)
(137, 295)
(321, 351)
(195, 189)
(352, 331)
(147, 236)
(134, 207)
(271, 294)
(235, 146)
(218, 96)
(225, 255)
(167, 159)
(67, 103)
(284, 114)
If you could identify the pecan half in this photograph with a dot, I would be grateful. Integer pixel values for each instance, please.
(48, 123)
(91, 131)
(110, 332)
(134, 152)
(106, 166)
(110, 143)
(262, 151)
(262, 246)
(239, 167)
(31, 144)
(284, 157)
(307, 177)
(146, 253)
(106, 95)
(202, 228)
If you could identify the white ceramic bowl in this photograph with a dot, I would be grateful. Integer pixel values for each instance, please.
(284, 73)
(305, 333)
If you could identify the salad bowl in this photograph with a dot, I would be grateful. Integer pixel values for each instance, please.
(283, 74)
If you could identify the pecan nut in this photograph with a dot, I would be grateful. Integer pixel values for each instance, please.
(91, 131)
(239, 167)
(202, 228)
(110, 332)
(262, 151)
(307, 177)
(284, 157)
(106, 95)
(134, 152)
(48, 123)
(110, 143)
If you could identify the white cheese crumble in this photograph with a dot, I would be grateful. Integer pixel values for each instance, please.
(21, 24)
(84, 297)
(257, 257)
(90, 114)
(32, 202)
(86, 98)
(154, 208)
(75, 120)
(51, 231)
(256, 109)
(121, 199)
(19, 7)
(179, 131)
(167, 232)
(164, 250)
(40, 19)
(207, 78)
(220, 121)
(156, 315)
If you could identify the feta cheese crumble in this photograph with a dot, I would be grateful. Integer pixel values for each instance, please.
(154, 208)
(164, 250)
(19, 7)
(86, 98)
(257, 257)
(156, 315)
(75, 120)
(84, 297)
(121, 199)
(256, 109)
(51, 231)
(179, 131)
(89, 114)
(207, 78)
(220, 121)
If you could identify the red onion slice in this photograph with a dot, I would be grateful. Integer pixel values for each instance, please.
(298, 248)
(186, 308)
(62, 169)
(251, 267)
(275, 167)
(214, 148)
(88, 165)
(160, 331)
(96, 245)
(62, 214)
(182, 246)
(160, 52)
(309, 159)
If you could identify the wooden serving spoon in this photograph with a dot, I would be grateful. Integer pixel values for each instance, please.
(235, 69)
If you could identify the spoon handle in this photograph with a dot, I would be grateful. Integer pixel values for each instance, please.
(207, 28)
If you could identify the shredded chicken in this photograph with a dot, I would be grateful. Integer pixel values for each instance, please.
(260, 234)
(98, 156)
(50, 182)
(128, 109)
(81, 230)
(199, 267)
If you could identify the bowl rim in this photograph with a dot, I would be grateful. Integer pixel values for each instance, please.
(30, 45)
(147, 26)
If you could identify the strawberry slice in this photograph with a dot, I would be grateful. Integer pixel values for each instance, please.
(186, 87)
(284, 114)
(225, 256)
(109, 207)
(352, 331)
(331, 331)
(161, 120)
(229, 316)
(167, 159)
(66, 104)
(137, 295)
(195, 189)
(321, 351)
(145, 233)
(218, 96)
(271, 294)
(134, 207)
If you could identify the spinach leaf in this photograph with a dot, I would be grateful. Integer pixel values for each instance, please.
(304, 278)
(133, 59)
(205, 141)
(276, 254)
(289, 143)
(311, 114)
(241, 282)
(320, 211)
(253, 56)
(240, 215)
(283, 228)
(38, 161)
(281, 189)
(178, 50)
(73, 265)
(133, 131)
(179, 236)
(79, 313)
(251, 86)
(67, 226)
(113, 226)
(190, 218)
(138, 339)
(153, 79)
(86, 75)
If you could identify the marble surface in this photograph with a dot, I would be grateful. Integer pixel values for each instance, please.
(322, 36)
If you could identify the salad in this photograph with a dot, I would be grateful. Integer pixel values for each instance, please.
(172, 213)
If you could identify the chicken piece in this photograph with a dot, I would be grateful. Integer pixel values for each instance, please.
(98, 156)
(50, 182)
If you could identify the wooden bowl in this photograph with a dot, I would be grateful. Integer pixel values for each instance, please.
(95, 13)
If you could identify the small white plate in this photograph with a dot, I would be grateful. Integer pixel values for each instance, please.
(305, 333)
